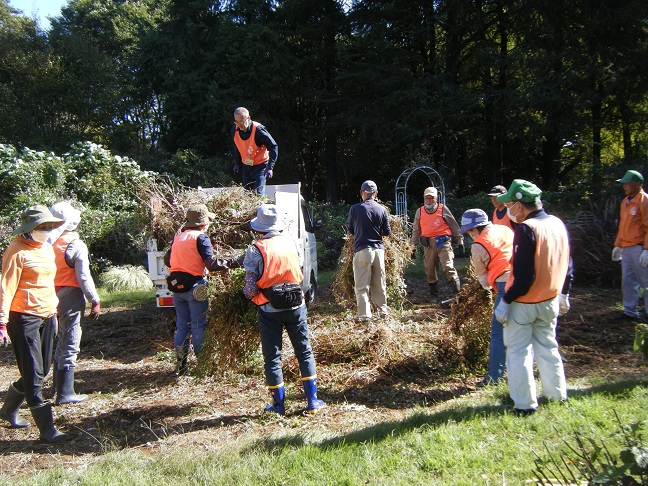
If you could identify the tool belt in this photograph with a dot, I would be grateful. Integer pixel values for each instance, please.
(284, 296)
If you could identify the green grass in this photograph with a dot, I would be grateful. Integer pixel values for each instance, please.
(123, 298)
(467, 441)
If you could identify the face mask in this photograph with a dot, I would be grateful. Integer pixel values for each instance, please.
(510, 215)
(39, 236)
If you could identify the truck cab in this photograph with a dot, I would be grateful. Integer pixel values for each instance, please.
(300, 226)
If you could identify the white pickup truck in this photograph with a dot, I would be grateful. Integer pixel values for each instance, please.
(292, 205)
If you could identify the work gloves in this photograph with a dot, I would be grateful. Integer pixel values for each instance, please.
(643, 258)
(563, 303)
(616, 253)
(501, 312)
(95, 310)
(4, 337)
(269, 174)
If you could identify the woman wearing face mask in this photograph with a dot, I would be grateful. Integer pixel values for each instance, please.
(28, 316)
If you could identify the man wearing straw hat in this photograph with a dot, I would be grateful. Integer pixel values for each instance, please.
(189, 259)
(631, 245)
(272, 281)
(536, 294)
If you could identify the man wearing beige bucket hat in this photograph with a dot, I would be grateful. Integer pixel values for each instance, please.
(28, 316)
(434, 227)
(189, 259)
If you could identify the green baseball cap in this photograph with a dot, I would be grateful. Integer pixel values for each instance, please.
(521, 191)
(631, 176)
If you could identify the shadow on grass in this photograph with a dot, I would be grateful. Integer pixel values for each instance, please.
(384, 430)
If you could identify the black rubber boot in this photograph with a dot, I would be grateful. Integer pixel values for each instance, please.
(434, 291)
(65, 387)
(181, 361)
(9, 410)
(455, 286)
(45, 421)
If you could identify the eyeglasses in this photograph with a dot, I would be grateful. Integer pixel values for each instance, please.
(242, 121)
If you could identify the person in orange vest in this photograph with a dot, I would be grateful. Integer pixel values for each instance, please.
(189, 259)
(433, 227)
(73, 285)
(28, 316)
(631, 245)
(255, 151)
(500, 215)
(536, 294)
(272, 281)
(490, 255)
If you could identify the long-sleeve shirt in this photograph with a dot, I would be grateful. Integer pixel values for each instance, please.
(524, 273)
(368, 223)
(77, 254)
(206, 251)
(481, 259)
(447, 216)
(633, 227)
(27, 284)
(262, 137)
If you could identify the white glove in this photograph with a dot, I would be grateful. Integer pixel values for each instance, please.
(616, 253)
(643, 258)
(563, 302)
(501, 312)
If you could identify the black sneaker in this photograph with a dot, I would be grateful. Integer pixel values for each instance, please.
(524, 412)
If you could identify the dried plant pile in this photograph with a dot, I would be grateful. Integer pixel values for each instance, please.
(232, 340)
(468, 338)
(397, 256)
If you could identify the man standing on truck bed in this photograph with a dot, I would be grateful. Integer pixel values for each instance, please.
(255, 151)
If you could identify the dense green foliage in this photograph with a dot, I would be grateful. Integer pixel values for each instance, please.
(485, 91)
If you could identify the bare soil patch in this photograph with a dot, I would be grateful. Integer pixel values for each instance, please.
(379, 375)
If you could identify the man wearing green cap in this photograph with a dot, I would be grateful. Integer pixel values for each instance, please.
(536, 293)
(632, 243)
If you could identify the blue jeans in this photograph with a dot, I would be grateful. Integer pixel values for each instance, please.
(254, 177)
(496, 351)
(191, 319)
(271, 326)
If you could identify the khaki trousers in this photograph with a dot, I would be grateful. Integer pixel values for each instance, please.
(370, 280)
(433, 256)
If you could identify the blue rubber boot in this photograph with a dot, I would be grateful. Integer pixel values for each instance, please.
(278, 395)
(310, 390)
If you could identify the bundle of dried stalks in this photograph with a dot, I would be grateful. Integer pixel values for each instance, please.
(232, 338)
(398, 253)
(466, 344)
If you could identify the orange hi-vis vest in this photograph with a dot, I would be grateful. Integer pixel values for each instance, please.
(280, 264)
(503, 221)
(65, 274)
(184, 254)
(433, 225)
(551, 260)
(633, 224)
(249, 150)
(498, 242)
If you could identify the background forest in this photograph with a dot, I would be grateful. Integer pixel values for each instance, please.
(484, 91)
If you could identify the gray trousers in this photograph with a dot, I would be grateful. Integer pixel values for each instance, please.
(633, 278)
(70, 309)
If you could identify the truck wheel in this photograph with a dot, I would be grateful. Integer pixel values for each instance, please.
(310, 295)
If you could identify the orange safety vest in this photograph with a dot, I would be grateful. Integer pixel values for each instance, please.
(632, 228)
(184, 254)
(503, 221)
(498, 242)
(551, 260)
(433, 225)
(280, 264)
(249, 150)
(65, 274)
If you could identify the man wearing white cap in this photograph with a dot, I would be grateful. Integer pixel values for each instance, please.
(368, 223)
(433, 227)
(632, 243)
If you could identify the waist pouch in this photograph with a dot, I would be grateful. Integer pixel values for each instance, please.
(285, 295)
(440, 241)
(424, 241)
(181, 282)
